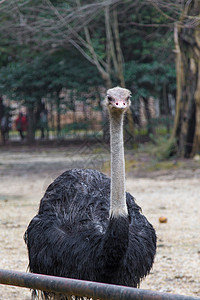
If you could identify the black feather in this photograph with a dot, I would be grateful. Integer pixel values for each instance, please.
(73, 236)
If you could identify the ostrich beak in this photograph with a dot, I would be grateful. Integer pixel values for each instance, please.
(120, 104)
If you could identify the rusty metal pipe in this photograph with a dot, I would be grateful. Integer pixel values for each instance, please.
(76, 287)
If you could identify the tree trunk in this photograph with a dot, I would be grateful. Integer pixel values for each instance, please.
(186, 129)
(120, 71)
(52, 119)
(31, 125)
(129, 130)
(58, 115)
(166, 106)
(150, 129)
(1, 116)
(196, 143)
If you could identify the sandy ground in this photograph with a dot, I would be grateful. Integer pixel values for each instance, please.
(175, 194)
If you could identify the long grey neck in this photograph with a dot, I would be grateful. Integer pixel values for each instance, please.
(118, 193)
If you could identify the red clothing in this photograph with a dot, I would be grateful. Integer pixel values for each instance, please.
(21, 123)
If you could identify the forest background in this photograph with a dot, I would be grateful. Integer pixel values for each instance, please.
(55, 54)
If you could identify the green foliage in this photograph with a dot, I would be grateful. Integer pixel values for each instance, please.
(147, 51)
(147, 79)
(39, 71)
(163, 148)
(164, 165)
(46, 74)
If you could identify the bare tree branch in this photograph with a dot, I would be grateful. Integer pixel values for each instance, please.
(118, 48)
(109, 42)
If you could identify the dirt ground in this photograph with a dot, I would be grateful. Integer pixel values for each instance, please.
(173, 193)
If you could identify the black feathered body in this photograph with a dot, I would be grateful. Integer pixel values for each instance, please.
(73, 236)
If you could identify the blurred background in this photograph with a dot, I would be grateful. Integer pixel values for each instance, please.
(59, 57)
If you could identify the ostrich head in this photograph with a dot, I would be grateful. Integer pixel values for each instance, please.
(118, 100)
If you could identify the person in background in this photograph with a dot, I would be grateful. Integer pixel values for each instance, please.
(21, 125)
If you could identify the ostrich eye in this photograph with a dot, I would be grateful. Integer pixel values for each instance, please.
(109, 98)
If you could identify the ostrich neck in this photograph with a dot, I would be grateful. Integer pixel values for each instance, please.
(118, 194)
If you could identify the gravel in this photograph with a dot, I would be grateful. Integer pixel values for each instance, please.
(173, 194)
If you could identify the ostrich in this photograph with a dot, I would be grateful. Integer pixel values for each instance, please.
(87, 226)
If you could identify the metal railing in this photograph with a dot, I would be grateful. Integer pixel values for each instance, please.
(82, 288)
